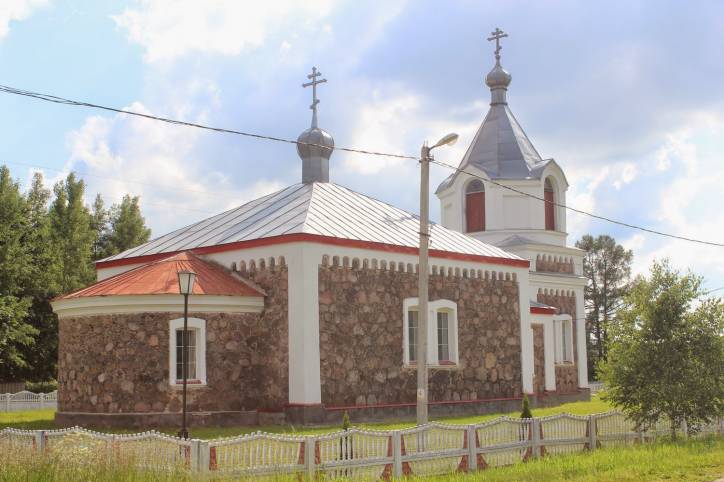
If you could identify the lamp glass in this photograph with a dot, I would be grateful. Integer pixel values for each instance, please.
(186, 280)
(449, 140)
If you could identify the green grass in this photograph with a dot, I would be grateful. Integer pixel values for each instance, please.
(44, 420)
(692, 460)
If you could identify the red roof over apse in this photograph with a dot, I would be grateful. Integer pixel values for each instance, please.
(161, 277)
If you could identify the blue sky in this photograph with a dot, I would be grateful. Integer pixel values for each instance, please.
(627, 96)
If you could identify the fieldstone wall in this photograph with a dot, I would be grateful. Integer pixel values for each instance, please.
(119, 363)
(554, 264)
(565, 301)
(539, 374)
(361, 336)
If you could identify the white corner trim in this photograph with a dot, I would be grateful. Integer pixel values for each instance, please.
(104, 305)
(193, 324)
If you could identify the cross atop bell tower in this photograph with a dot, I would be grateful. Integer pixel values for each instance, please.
(497, 35)
(314, 82)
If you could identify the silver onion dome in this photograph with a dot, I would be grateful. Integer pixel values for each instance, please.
(322, 141)
(498, 77)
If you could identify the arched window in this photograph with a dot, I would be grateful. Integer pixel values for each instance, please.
(475, 207)
(550, 208)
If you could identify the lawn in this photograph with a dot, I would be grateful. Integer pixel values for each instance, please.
(43, 420)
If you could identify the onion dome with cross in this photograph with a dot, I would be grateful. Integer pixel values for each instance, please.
(498, 79)
(315, 145)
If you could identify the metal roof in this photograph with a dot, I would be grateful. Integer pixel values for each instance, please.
(325, 209)
(500, 147)
(161, 277)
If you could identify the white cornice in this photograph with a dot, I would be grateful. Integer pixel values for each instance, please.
(545, 248)
(105, 305)
(556, 280)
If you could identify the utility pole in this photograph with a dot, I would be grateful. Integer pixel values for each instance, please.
(422, 314)
(423, 296)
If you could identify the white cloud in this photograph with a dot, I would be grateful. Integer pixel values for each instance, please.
(582, 195)
(168, 29)
(690, 203)
(16, 10)
(124, 154)
(628, 174)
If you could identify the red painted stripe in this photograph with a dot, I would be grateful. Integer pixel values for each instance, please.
(442, 402)
(543, 311)
(303, 405)
(315, 238)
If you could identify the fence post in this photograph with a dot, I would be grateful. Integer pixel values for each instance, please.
(685, 428)
(592, 428)
(7, 402)
(194, 462)
(204, 456)
(535, 439)
(42, 400)
(40, 442)
(396, 454)
(309, 462)
(472, 449)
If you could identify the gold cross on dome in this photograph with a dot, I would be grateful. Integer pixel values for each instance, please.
(497, 35)
(314, 82)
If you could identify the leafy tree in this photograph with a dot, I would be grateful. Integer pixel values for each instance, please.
(16, 270)
(666, 355)
(607, 265)
(15, 334)
(128, 227)
(72, 233)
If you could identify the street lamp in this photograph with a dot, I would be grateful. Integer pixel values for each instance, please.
(186, 280)
(422, 317)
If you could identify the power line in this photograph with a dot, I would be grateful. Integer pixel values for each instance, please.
(712, 291)
(61, 100)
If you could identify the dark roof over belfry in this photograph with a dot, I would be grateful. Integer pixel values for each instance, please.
(500, 147)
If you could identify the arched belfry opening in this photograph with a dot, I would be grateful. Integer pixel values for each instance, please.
(475, 207)
(549, 195)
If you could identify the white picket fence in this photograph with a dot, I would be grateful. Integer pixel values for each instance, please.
(358, 454)
(14, 402)
(595, 387)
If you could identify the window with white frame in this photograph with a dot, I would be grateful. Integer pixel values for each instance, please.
(195, 338)
(563, 338)
(442, 332)
(412, 323)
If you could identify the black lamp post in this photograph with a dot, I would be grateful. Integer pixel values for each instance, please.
(186, 280)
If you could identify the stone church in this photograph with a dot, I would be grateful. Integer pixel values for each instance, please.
(305, 304)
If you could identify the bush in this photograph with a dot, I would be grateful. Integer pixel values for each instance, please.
(41, 387)
(345, 422)
(526, 413)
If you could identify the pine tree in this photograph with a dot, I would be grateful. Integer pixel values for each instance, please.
(607, 265)
(128, 227)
